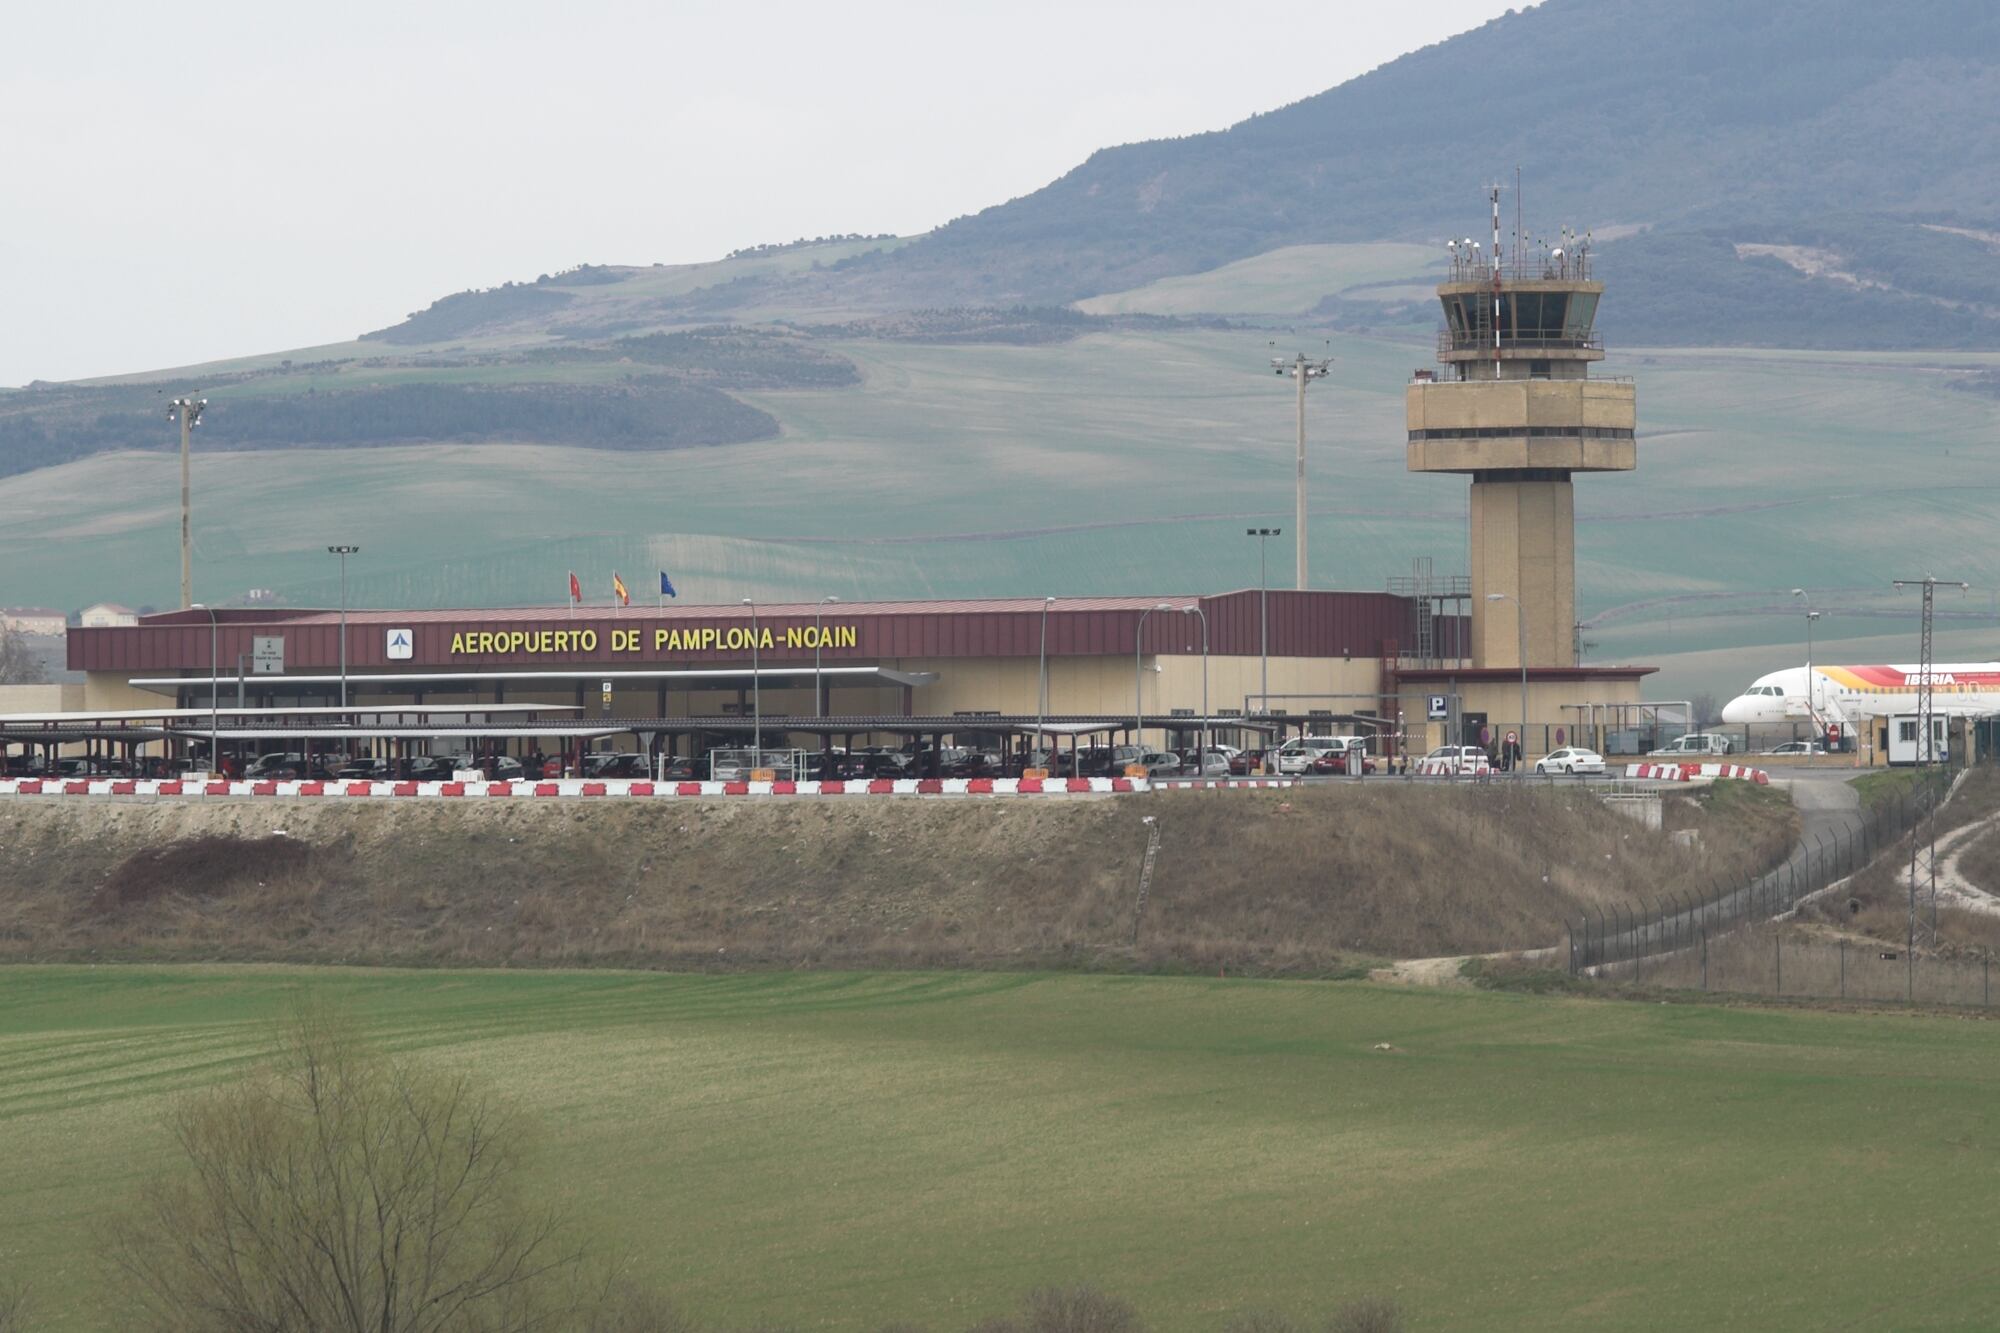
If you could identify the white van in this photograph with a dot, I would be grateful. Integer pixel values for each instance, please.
(1703, 743)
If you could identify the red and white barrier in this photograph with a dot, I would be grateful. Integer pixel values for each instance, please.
(1217, 784)
(1698, 773)
(570, 787)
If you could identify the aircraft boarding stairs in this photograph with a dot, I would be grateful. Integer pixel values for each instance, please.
(1828, 720)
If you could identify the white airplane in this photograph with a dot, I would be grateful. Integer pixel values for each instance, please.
(1848, 695)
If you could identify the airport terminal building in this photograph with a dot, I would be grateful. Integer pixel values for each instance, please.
(685, 679)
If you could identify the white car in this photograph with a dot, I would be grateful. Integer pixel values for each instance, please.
(1571, 759)
(1468, 759)
(1799, 747)
(1299, 754)
(1205, 763)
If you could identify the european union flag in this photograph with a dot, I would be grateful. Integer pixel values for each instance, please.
(667, 585)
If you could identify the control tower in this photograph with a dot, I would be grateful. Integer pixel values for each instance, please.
(1516, 410)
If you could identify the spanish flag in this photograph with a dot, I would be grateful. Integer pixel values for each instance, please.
(618, 590)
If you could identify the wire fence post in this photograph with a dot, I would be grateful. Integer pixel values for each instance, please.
(1704, 958)
(1843, 967)
(1569, 928)
(1778, 960)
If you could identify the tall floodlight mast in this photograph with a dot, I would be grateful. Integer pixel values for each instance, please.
(1305, 372)
(188, 412)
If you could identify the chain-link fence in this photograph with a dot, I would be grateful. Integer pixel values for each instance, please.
(1675, 923)
(1773, 961)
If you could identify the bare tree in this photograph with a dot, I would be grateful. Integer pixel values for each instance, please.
(342, 1191)
(19, 664)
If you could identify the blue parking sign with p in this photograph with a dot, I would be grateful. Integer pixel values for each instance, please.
(1438, 711)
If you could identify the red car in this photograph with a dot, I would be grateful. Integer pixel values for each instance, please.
(1335, 761)
(1246, 762)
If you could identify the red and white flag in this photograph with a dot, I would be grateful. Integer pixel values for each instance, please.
(575, 588)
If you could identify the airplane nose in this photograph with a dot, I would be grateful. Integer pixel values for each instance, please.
(1737, 711)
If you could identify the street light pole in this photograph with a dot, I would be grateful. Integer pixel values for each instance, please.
(819, 694)
(1812, 706)
(343, 552)
(1138, 678)
(756, 691)
(1521, 628)
(1206, 740)
(188, 412)
(1042, 678)
(214, 686)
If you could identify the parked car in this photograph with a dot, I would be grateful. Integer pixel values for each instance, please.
(429, 768)
(616, 765)
(1245, 762)
(729, 765)
(367, 770)
(1570, 759)
(1330, 762)
(1205, 764)
(1459, 759)
(1695, 743)
(1799, 747)
(1300, 754)
(1158, 763)
(1099, 761)
(258, 768)
(679, 767)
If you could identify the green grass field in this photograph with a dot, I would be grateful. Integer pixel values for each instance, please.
(842, 1151)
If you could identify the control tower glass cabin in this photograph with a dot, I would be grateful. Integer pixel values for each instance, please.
(1516, 410)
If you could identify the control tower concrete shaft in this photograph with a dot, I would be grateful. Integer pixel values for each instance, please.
(1516, 409)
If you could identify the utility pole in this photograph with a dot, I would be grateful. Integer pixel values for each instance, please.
(1304, 372)
(1923, 842)
(343, 552)
(756, 689)
(188, 412)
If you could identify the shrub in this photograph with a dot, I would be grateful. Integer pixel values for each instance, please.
(1368, 1315)
(341, 1191)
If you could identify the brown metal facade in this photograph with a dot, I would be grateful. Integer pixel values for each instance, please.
(1301, 624)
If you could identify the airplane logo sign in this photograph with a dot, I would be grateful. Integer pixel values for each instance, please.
(402, 645)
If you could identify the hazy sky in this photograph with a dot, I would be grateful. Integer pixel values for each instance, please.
(181, 182)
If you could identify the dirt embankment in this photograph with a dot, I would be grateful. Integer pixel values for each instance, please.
(1875, 903)
(1307, 881)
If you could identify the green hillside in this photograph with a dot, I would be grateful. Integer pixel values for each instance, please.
(1119, 461)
